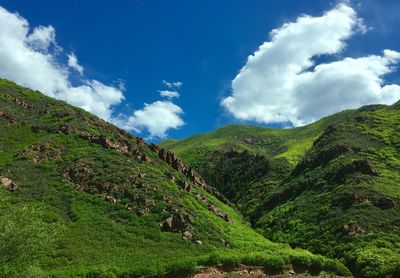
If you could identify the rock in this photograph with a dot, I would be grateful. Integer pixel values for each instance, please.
(154, 148)
(129, 206)
(110, 199)
(106, 143)
(9, 184)
(174, 223)
(186, 186)
(8, 117)
(187, 235)
(6, 182)
(363, 166)
(200, 198)
(219, 213)
(385, 203)
(163, 154)
(224, 243)
(22, 103)
(66, 129)
(143, 158)
(170, 176)
(143, 211)
(150, 203)
(199, 242)
(353, 230)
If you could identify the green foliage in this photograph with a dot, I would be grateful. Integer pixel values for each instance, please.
(319, 179)
(60, 224)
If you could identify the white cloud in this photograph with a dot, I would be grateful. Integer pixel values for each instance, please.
(42, 37)
(31, 57)
(281, 82)
(157, 118)
(73, 63)
(176, 84)
(26, 58)
(169, 94)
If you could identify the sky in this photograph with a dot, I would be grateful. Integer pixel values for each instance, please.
(170, 69)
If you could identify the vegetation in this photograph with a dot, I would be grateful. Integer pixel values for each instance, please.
(81, 198)
(331, 187)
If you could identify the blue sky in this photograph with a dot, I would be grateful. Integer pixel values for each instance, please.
(204, 44)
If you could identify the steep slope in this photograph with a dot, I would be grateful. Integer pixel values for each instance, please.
(342, 198)
(80, 197)
(247, 162)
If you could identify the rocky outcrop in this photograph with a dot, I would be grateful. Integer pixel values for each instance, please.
(353, 230)
(41, 152)
(385, 203)
(185, 186)
(178, 223)
(218, 212)
(176, 163)
(175, 223)
(322, 157)
(122, 145)
(8, 117)
(363, 166)
(22, 103)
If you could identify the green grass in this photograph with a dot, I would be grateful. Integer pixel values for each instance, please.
(59, 225)
(301, 196)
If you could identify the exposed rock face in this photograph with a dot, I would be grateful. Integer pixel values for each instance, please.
(322, 157)
(22, 103)
(9, 184)
(122, 145)
(6, 182)
(110, 199)
(219, 213)
(175, 223)
(362, 166)
(40, 152)
(385, 203)
(186, 186)
(353, 230)
(8, 117)
(178, 164)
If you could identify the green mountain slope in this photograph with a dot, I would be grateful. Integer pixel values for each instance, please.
(79, 197)
(247, 162)
(340, 196)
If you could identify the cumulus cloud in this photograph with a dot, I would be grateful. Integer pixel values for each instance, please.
(26, 58)
(73, 63)
(169, 94)
(281, 81)
(157, 118)
(176, 84)
(32, 58)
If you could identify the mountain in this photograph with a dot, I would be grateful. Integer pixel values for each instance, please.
(331, 187)
(247, 162)
(80, 197)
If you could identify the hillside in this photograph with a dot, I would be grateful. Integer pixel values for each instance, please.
(342, 198)
(247, 162)
(80, 197)
(331, 187)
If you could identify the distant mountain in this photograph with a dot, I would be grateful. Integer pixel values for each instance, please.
(80, 197)
(331, 187)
